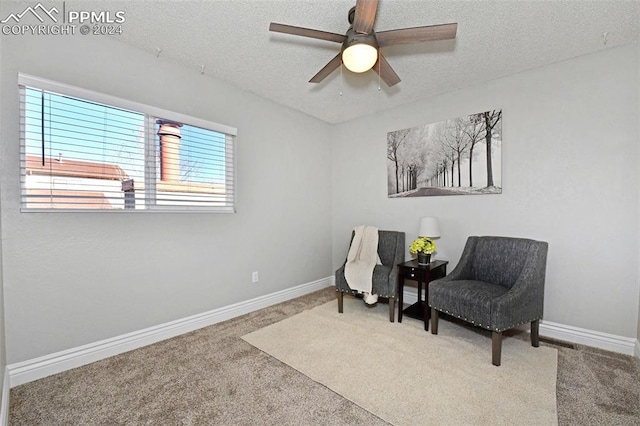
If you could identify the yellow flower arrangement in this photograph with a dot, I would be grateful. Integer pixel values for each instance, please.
(423, 245)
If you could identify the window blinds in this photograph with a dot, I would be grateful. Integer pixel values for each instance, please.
(78, 153)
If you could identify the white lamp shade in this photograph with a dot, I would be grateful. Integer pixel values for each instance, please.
(429, 227)
(359, 57)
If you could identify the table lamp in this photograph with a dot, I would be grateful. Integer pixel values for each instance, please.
(430, 228)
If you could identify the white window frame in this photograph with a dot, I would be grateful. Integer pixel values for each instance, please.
(150, 112)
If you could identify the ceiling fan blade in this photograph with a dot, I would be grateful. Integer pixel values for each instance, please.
(307, 32)
(417, 34)
(328, 69)
(387, 74)
(365, 16)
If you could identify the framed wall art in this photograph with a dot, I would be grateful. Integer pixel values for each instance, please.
(460, 156)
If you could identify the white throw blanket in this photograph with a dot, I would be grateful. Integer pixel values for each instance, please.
(362, 258)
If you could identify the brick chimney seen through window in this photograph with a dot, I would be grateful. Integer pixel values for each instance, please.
(169, 133)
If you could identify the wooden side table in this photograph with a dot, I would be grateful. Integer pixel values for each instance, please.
(423, 274)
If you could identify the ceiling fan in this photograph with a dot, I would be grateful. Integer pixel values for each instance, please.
(361, 44)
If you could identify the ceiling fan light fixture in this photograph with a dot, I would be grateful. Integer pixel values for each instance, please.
(359, 57)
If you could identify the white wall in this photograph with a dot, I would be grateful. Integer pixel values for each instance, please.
(72, 279)
(570, 177)
(638, 141)
(3, 352)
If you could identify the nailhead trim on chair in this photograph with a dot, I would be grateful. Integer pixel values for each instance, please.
(480, 325)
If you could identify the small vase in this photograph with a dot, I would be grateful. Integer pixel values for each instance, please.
(424, 258)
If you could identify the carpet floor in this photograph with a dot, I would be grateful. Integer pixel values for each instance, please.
(213, 377)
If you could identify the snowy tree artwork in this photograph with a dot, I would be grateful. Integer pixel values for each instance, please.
(452, 157)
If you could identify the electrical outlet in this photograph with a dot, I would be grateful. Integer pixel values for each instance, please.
(254, 277)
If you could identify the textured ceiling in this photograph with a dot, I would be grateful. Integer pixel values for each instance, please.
(495, 38)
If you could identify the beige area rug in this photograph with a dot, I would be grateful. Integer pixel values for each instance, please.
(407, 376)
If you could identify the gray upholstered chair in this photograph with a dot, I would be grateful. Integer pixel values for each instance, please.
(385, 277)
(497, 285)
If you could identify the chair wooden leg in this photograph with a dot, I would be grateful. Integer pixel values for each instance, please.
(392, 308)
(425, 315)
(340, 301)
(434, 321)
(535, 336)
(496, 347)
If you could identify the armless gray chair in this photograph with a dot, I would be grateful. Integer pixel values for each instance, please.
(385, 277)
(497, 285)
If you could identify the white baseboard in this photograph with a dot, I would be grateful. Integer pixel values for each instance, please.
(582, 336)
(27, 371)
(4, 403)
(609, 342)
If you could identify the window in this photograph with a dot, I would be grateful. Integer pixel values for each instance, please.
(82, 150)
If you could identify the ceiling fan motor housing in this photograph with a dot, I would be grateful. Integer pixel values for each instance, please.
(355, 38)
